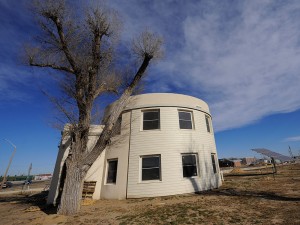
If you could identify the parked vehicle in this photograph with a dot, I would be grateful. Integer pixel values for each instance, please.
(27, 182)
(7, 184)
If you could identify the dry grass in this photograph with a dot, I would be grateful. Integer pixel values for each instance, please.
(242, 200)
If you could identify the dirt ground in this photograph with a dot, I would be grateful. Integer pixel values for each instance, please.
(249, 198)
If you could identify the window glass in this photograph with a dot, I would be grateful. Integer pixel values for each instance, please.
(189, 165)
(151, 167)
(213, 160)
(151, 120)
(207, 123)
(112, 171)
(185, 120)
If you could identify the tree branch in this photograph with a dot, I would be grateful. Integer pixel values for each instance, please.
(53, 66)
(105, 136)
(64, 45)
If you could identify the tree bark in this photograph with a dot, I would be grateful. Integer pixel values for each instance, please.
(72, 191)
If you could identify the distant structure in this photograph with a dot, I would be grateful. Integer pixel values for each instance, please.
(270, 154)
(236, 162)
(225, 163)
(46, 176)
(248, 160)
(165, 146)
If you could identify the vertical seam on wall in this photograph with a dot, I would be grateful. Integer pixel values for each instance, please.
(128, 152)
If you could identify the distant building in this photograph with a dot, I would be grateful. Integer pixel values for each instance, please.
(248, 160)
(225, 163)
(231, 162)
(46, 176)
(237, 162)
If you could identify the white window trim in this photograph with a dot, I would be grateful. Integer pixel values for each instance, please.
(142, 119)
(197, 164)
(192, 118)
(141, 169)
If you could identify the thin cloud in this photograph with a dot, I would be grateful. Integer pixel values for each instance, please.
(242, 58)
(251, 60)
(292, 139)
(13, 81)
(15, 25)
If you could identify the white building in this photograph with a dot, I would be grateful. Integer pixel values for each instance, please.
(166, 146)
(46, 176)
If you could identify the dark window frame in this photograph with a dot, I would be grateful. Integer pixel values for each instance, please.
(213, 161)
(185, 120)
(208, 124)
(112, 180)
(148, 168)
(186, 168)
(149, 121)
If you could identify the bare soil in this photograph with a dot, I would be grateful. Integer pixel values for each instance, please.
(243, 199)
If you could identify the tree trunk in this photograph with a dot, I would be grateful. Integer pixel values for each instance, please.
(72, 192)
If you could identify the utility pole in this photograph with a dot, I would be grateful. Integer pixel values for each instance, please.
(11, 158)
(291, 153)
(27, 182)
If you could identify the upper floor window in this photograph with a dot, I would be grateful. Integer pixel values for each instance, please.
(185, 120)
(112, 171)
(207, 120)
(151, 119)
(189, 165)
(150, 167)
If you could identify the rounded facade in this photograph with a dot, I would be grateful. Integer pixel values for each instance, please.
(170, 148)
(165, 146)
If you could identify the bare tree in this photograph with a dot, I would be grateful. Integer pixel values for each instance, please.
(82, 50)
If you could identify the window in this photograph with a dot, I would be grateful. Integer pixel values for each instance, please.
(185, 120)
(151, 120)
(150, 167)
(189, 165)
(207, 123)
(213, 160)
(112, 171)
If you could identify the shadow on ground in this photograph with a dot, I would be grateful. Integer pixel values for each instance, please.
(255, 194)
(35, 200)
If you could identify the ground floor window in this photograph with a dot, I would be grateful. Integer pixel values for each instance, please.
(151, 167)
(189, 165)
(213, 160)
(112, 171)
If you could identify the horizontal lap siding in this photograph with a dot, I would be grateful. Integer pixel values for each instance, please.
(117, 150)
(170, 142)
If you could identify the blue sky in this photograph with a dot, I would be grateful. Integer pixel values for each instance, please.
(242, 57)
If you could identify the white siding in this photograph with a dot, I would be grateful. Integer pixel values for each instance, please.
(118, 149)
(170, 142)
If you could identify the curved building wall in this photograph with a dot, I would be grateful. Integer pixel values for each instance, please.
(169, 143)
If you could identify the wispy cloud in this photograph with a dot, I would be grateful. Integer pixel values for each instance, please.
(292, 139)
(248, 60)
(242, 57)
(15, 27)
(13, 81)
